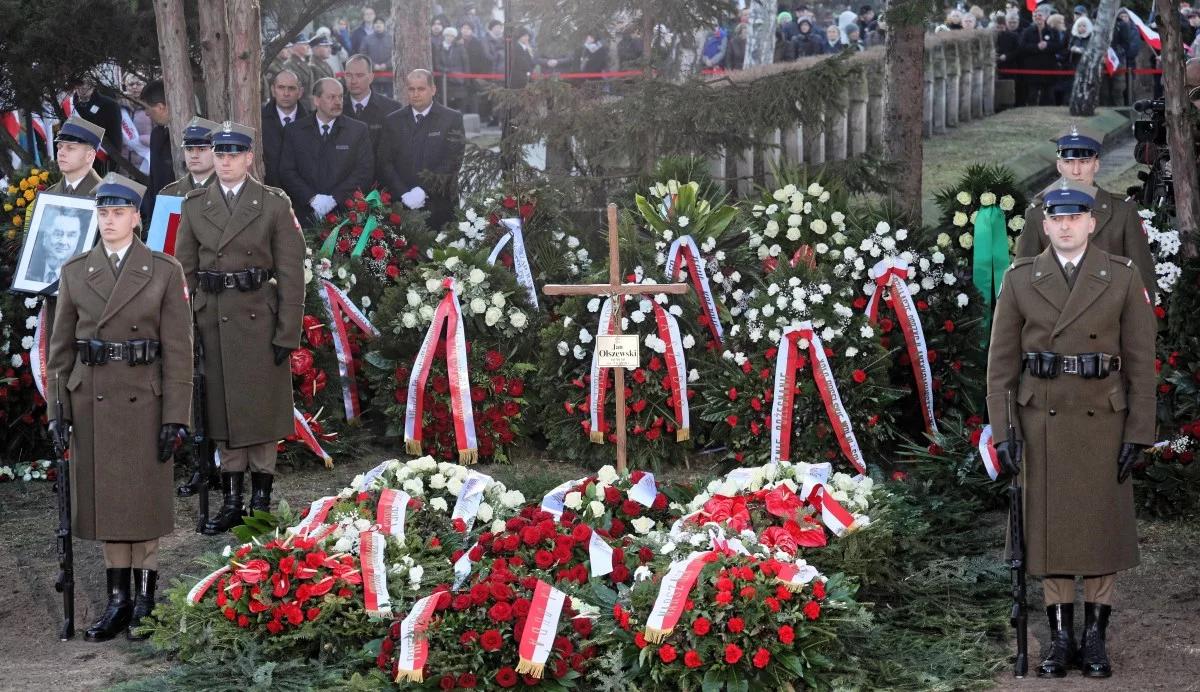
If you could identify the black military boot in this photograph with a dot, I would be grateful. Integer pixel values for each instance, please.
(1093, 656)
(1062, 651)
(192, 487)
(231, 512)
(116, 615)
(260, 491)
(144, 583)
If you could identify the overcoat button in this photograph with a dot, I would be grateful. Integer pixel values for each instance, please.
(132, 399)
(134, 328)
(249, 252)
(99, 397)
(1053, 412)
(252, 315)
(224, 319)
(1091, 336)
(220, 254)
(1091, 412)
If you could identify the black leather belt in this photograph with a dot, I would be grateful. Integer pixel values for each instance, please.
(1049, 365)
(132, 352)
(250, 279)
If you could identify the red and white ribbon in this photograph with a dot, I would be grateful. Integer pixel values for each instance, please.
(987, 452)
(371, 476)
(795, 576)
(450, 314)
(376, 600)
(317, 511)
(892, 274)
(202, 586)
(537, 639)
(39, 355)
(599, 383)
(552, 502)
(672, 594)
(391, 511)
(414, 650)
(668, 332)
(520, 259)
(309, 438)
(466, 506)
(684, 249)
(835, 517)
(785, 394)
(339, 307)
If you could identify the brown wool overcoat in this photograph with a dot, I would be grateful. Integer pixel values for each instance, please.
(119, 489)
(249, 396)
(185, 185)
(1078, 519)
(1118, 232)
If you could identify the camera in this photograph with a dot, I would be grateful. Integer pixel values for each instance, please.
(1157, 190)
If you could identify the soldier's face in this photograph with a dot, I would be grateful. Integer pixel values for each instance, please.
(117, 224)
(199, 159)
(60, 242)
(1069, 233)
(1080, 170)
(232, 168)
(73, 157)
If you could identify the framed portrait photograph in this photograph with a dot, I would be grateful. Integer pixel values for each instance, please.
(62, 226)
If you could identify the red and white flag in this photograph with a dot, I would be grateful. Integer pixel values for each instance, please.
(1111, 62)
(376, 600)
(537, 639)
(414, 647)
(1150, 36)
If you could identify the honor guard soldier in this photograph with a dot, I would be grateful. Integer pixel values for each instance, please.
(1118, 226)
(75, 151)
(243, 255)
(198, 155)
(121, 362)
(1073, 346)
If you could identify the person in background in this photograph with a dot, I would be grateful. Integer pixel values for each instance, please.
(785, 34)
(378, 47)
(89, 104)
(1081, 31)
(341, 33)
(854, 39)
(298, 64)
(1062, 83)
(493, 49)
(323, 62)
(136, 124)
(523, 63)
(162, 165)
(361, 102)
(969, 22)
(630, 46)
(716, 44)
(833, 40)
(449, 58)
(867, 24)
(476, 63)
(364, 29)
(735, 56)
(806, 41)
(981, 18)
(1040, 46)
(281, 111)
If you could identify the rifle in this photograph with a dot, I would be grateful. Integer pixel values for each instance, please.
(1016, 562)
(65, 583)
(202, 446)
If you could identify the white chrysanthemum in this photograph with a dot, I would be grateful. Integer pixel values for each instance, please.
(492, 316)
(439, 503)
(478, 306)
(563, 348)
(518, 320)
(579, 352)
(27, 342)
(585, 337)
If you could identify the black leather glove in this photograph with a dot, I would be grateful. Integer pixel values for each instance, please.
(60, 438)
(1009, 456)
(1130, 456)
(281, 353)
(170, 440)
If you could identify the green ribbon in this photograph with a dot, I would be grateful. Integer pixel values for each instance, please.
(330, 243)
(375, 204)
(990, 259)
(370, 225)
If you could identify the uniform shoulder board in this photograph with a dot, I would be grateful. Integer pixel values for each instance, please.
(195, 193)
(164, 257)
(276, 191)
(1121, 260)
(76, 259)
(1022, 261)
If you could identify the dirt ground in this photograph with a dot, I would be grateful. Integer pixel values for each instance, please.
(1154, 641)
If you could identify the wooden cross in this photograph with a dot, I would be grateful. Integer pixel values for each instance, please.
(614, 287)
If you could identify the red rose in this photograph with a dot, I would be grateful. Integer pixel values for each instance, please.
(379, 252)
(692, 659)
(506, 677)
(735, 625)
(812, 610)
(447, 682)
(701, 626)
(761, 658)
(500, 612)
(640, 640)
(491, 640)
(631, 508)
(612, 495)
(583, 626)
(733, 653)
(819, 590)
(543, 559)
(467, 638)
(467, 681)
(860, 376)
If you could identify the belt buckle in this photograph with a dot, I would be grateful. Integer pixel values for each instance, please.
(1070, 365)
(116, 351)
(228, 281)
(1114, 364)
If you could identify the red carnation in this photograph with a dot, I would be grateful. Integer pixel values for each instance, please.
(735, 625)
(812, 610)
(732, 420)
(583, 626)
(761, 658)
(692, 659)
(724, 597)
(500, 612)
(733, 653)
(860, 376)
(786, 634)
(701, 626)
(492, 361)
(506, 677)
(543, 559)
(819, 590)
(467, 681)
(631, 508)
(666, 653)
(491, 640)
(447, 682)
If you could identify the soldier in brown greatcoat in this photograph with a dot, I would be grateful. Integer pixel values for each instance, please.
(75, 150)
(198, 155)
(243, 255)
(121, 365)
(1073, 346)
(1118, 226)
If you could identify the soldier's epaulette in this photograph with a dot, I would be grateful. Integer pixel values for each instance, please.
(1121, 260)
(164, 257)
(1022, 261)
(195, 193)
(77, 258)
(278, 192)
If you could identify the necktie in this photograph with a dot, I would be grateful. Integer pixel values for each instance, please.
(420, 117)
(325, 131)
(358, 108)
(229, 198)
(1069, 268)
(287, 119)
(116, 262)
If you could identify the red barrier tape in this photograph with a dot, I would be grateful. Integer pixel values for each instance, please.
(1069, 73)
(498, 76)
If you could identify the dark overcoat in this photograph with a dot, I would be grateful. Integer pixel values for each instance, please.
(249, 396)
(120, 491)
(336, 165)
(1078, 519)
(1118, 232)
(426, 155)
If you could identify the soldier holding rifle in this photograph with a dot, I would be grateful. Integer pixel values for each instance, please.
(121, 363)
(1073, 343)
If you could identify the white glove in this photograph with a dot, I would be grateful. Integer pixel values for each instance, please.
(322, 204)
(414, 198)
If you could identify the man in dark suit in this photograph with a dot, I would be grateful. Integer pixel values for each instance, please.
(90, 105)
(361, 103)
(162, 165)
(421, 151)
(283, 109)
(326, 156)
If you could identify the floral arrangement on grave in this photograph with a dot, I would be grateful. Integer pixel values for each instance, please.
(449, 371)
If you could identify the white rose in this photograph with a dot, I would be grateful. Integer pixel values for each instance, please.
(433, 285)
(943, 239)
(498, 526)
(597, 508)
(818, 226)
(960, 219)
(512, 499)
(453, 486)
(476, 276)
(492, 316)
(518, 320)
(439, 503)
(437, 481)
(643, 524)
(579, 352)
(987, 199)
(573, 500)
(607, 475)
(563, 348)
(1007, 203)
(485, 512)
(426, 313)
(478, 306)
(963, 197)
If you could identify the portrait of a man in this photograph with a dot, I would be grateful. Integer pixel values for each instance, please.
(61, 227)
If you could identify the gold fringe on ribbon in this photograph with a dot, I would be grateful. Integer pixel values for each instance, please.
(794, 588)
(328, 461)
(657, 636)
(598, 436)
(412, 447)
(525, 667)
(410, 675)
(683, 434)
(466, 457)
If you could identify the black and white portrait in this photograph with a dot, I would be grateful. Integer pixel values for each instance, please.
(62, 227)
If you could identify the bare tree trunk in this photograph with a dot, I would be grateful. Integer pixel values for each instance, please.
(245, 60)
(214, 59)
(1179, 128)
(177, 70)
(412, 49)
(903, 76)
(760, 42)
(1085, 92)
